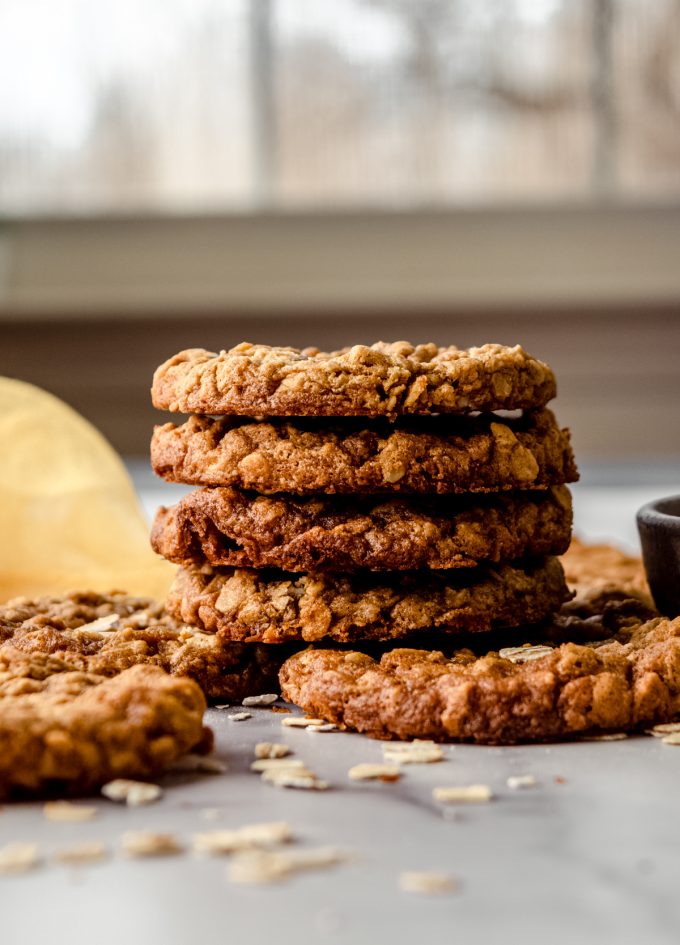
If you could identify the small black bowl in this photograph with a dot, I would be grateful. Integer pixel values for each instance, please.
(659, 526)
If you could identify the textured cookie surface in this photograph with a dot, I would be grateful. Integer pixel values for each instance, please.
(383, 380)
(619, 685)
(273, 606)
(227, 527)
(591, 569)
(64, 628)
(69, 731)
(486, 453)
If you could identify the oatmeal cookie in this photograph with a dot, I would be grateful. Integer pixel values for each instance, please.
(66, 628)
(274, 606)
(383, 380)
(68, 731)
(591, 569)
(533, 694)
(227, 527)
(485, 453)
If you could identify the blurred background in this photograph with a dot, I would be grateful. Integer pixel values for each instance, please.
(180, 173)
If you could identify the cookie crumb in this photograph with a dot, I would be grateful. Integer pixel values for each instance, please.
(427, 883)
(372, 772)
(518, 781)
(18, 858)
(271, 750)
(254, 836)
(470, 794)
(66, 811)
(88, 852)
(267, 699)
(132, 793)
(147, 843)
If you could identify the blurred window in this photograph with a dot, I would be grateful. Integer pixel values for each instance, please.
(237, 105)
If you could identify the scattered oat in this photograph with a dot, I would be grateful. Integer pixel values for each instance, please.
(252, 837)
(148, 843)
(260, 866)
(297, 721)
(102, 624)
(412, 753)
(666, 728)
(607, 737)
(65, 810)
(221, 705)
(371, 772)
(268, 698)
(239, 716)
(271, 750)
(518, 781)
(18, 858)
(278, 764)
(672, 739)
(470, 794)
(523, 654)
(201, 764)
(427, 883)
(326, 727)
(133, 793)
(88, 852)
(211, 813)
(305, 780)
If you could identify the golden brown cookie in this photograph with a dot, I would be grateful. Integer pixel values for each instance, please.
(522, 694)
(594, 568)
(230, 528)
(67, 731)
(79, 630)
(265, 606)
(484, 453)
(383, 380)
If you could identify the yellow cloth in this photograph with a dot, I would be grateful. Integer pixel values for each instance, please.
(69, 514)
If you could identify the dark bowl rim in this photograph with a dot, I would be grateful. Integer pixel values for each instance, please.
(650, 513)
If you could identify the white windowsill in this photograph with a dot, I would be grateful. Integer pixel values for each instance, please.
(354, 261)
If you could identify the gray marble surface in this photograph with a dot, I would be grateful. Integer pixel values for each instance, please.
(590, 854)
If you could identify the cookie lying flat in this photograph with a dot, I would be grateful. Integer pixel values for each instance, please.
(620, 685)
(485, 453)
(383, 380)
(227, 527)
(273, 606)
(594, 568)
(64, 627)
(68, 731)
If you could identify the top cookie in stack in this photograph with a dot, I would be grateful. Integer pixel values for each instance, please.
(429, 512)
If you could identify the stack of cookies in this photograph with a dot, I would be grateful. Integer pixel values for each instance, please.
(382, 493)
